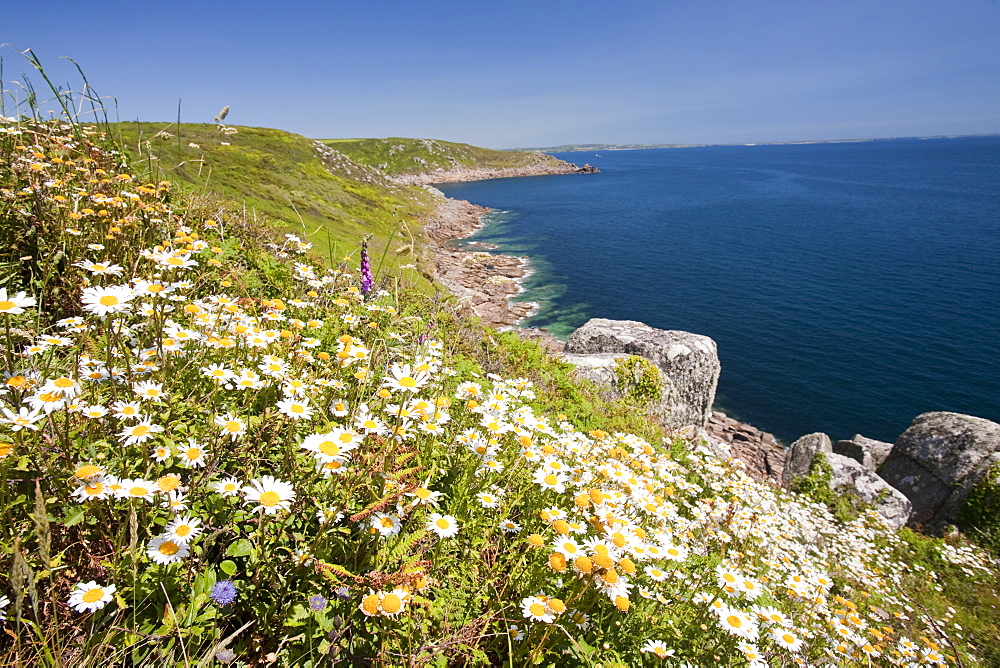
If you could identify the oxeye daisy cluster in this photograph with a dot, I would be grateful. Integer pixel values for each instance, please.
(307, 457)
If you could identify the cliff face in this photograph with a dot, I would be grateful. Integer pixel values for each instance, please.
(425, 161)
(461, 173)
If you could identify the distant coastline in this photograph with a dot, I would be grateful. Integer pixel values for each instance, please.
(571, 148)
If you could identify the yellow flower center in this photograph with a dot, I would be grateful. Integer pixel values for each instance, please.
(87, 471)
(537, 609)
(788, 638)
(298, 408)
(370, 604)
(168, 483)
(423, 493)
(138, 491)
(182, 530)
(603, 560)
(140, 430)
(329, 448)
(169, 548)
(6, 305)
(734, 621)
(406, 381)
(93, 595)
(269, 499)
(550, 479)
(728, 577)
(556, 605)
(391, 604)
(108, 300)
(442, 523)
(233, 426)
(63, 382)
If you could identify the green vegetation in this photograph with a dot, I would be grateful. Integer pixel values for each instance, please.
(815, 485)
(980, 513)
(638, 379)
(215, 448)
(398, 155)
(281, 178)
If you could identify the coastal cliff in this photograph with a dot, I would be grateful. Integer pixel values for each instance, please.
(459, 174)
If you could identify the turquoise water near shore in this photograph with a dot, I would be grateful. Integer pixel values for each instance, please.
(850, 286)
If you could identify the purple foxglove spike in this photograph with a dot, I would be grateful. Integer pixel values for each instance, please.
(367, 280)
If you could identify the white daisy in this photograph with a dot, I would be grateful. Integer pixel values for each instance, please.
(183, 529)
(90, 596)
(270, 494)
(15, 304)
(164, 549)
(445, 526)
(228, 486)
(107, 300)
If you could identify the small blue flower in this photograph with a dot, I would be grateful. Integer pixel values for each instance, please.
(224, 592)
(317, 603)
(225, 655)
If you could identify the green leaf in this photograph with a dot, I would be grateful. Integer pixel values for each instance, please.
(240, 548)
(73, 516)
(228, 567)
(298, 615)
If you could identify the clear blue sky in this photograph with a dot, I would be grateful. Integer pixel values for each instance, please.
(509, 73)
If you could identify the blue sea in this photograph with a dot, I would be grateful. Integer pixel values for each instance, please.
(850, 286)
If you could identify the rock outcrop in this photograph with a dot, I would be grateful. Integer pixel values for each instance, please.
(689, 364)
(850, 476)
(938, 460)
(760, 451)
(867, 451)
(800, 454)
(600, 368)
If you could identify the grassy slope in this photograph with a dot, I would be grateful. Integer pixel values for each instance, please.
(280, 176)
(397, 155)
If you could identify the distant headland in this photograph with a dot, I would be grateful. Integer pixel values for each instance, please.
(566, 148)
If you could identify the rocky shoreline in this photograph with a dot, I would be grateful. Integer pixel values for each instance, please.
(484, 282)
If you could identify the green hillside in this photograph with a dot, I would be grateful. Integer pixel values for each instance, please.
(398, 155)
(280, 177)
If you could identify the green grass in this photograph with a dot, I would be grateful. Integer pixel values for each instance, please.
(398, 155)
(279, 178)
